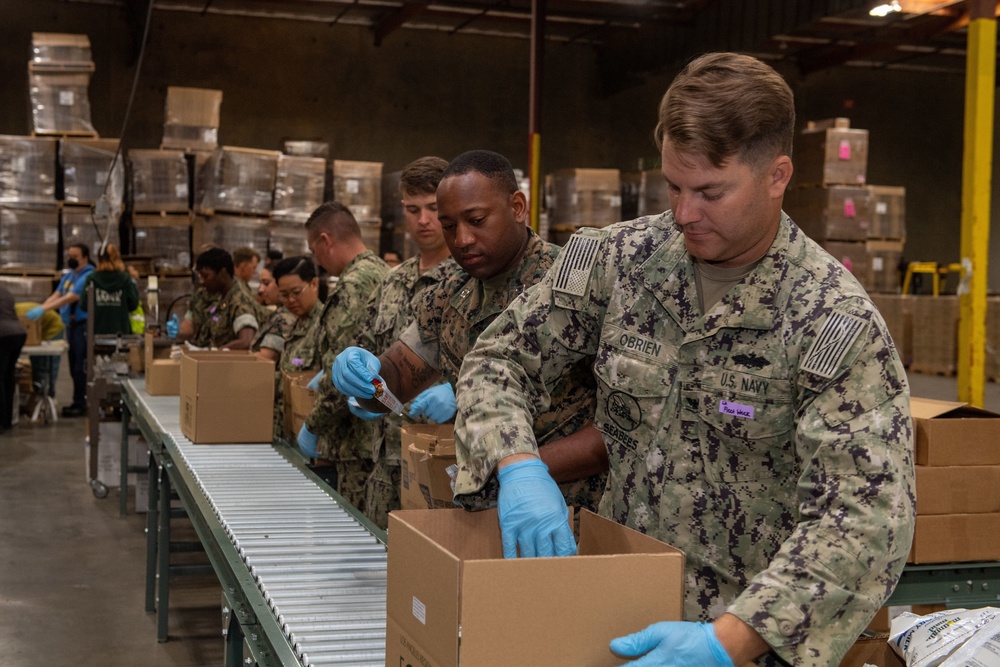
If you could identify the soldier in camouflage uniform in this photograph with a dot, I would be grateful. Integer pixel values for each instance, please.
(391, 311)
(338, 438)
(483, 218)
(276, 324)
(755, 410)
(197, 314)
(231, 320)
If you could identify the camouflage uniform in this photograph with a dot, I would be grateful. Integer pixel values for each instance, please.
(391, 312)
(342, 438)
(275, 331)
(299, 353)
(226, 317)
(769, 439)
(263, 312)
(452, 316)
(201, 301)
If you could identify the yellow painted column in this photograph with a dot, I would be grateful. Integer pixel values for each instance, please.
(535, 175)
(977, 169)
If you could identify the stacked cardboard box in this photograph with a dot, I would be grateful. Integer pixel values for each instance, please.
(239, 180)
(27, 170)
(358, 185)
(160, 181)
(191, 119)
(897, 311)
(958, 483)
(653, 195)
(830, 152)
(231, 232)
(318, 149)
(298, 191)
(58, 80)
(27, 199)
(582, 198)
(87, 171)
(79, 226)
(993, 338)
(166, 239)
(29, 238)
(935, 337)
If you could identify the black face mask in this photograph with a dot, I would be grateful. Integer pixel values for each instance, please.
(73, 263)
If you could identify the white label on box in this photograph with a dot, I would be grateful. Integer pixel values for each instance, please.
(51, 236)
(210, 135)
(574, 199)
(140, 234)
(419, 610)
(353, 186)
(181, 190)
(881, 207)
(876, 263)
(616, 200)
(101, 177)
(66, 98)
(18, 164)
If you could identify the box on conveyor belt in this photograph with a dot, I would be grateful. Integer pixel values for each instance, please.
(897, 311)
(227, 397)
(191, 118)
(584, 197)
(358, 186)
(454, 600)
(27, 170)
(239, 180)
(830, 153)
(935, 340)
(160, 180)
(950, 433)
(427, 452)
(87, 174)
(33, 329)
(299, 399)
(956, 538)
(872, 652)
(653, 195)
(299, 185)
(163, 374)
(958, 489)
(832, 213)
(59, 102)
(888, 212)
(29, 238)
(58, 49)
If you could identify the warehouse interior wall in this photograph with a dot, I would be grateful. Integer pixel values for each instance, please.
(425, 92)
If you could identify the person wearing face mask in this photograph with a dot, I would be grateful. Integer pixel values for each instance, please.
(66, 299)
(270, 338)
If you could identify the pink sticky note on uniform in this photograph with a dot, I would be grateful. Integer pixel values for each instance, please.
(849, 210)
(844, 153)
(736, 409)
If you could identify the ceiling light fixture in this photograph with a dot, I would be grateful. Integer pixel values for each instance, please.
(884, 10)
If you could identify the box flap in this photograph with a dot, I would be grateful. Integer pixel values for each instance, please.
(927, 408)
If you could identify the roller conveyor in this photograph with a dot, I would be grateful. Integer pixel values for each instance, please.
(295, 549)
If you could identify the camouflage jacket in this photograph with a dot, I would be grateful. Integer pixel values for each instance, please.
(770, 439)
(275, 331)
(343, 437)
(197, 312)
(227, 316)
(453, 315)
(298, 354)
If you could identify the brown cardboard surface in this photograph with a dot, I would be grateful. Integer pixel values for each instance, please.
(872, 651)
(226, 397)
(33, 329)
(428, 449)
(956, 538)
(163, 376)
(935, 341)
(446, 571)
(958, 489)
(954, 434)
(304, 395)
(831, 156)
(193, 106)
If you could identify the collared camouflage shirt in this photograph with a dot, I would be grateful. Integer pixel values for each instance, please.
(226, 317)
(341, 436)
(275, 331)
(770, 438)
(453, 315)
(298, 353)
(201, 301)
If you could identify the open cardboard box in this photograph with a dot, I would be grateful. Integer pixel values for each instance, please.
(428, 450)
(954, 434)
(226, 397)
(299, 379)
(454, 600)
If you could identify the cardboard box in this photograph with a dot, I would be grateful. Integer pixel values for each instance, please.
(958, 489)
(163, 375)
(585, 197)
(831, 156)
(993, 338)
(454, 600)
(428, 450)
(888, 212)
(935, 340)
(956, 538)
(872, 651)
(834, 213)
(955, 434)
(191, 118)
(299, 399)
(358, 186)
(226, 397)
(897, 311)
(33, 329)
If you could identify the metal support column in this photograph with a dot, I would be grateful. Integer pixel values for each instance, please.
(977, 169)
(163, 557)
(152, 531)
(535, 110)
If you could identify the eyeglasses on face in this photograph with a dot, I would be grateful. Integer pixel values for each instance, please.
(292, 294)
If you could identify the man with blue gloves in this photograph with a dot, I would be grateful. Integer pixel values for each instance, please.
(482, 215)
(755, 411)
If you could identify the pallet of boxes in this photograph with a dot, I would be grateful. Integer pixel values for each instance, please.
(578, 198)
(299, 189)
(358, 186)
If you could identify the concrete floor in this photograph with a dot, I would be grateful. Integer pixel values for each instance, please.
(72, 571)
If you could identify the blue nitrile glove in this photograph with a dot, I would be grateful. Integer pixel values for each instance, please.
(673, 644)
(307, 442)
(173, 326)
(533, 512)
(436, 403)
(35, 313)
(314, 383)
(360, 412)
(353, 371)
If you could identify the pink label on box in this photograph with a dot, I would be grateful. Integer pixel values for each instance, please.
(849, 210)
(844, 153)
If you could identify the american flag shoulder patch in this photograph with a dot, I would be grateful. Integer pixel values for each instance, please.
(834, 340)
(576, 262)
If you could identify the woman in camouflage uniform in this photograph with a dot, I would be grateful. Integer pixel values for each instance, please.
(271, 337)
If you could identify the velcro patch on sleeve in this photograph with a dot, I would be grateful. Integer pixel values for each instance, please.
(832, 344)
(577, 262)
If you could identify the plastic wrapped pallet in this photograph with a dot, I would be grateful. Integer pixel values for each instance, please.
(87, 174)
(287, 237)
(30, 288)
(164, 238)
(298, 188)
(319, 149)
(27, 170)
(358, 185)
(29, 238)
(59, 102)
(239, 180)
(831, 153)
(230, 232)
(653, 196)
(584, 198)
(79, 226)
(191, 118)
(159, 180)
(65, 50)
(935, 338)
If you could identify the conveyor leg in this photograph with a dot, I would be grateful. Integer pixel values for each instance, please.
(163, 557)
(234, 642)
(123, 478)
(152, 529)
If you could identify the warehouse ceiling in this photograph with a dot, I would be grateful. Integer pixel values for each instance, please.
(637, 37)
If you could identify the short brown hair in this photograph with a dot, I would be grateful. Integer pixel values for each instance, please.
(723, 105)
(245, 254)
(422, 176)
(335, 219)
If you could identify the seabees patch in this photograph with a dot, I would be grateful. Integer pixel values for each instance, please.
(577, 261)
(834, 340)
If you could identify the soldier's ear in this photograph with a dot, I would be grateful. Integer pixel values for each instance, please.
(779, 174)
